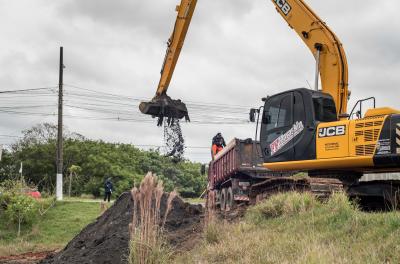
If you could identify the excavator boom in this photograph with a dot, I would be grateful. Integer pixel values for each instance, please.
(162, 105)
(175, 43)
(325, 46)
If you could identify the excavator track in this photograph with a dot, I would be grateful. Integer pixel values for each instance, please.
(322, 188)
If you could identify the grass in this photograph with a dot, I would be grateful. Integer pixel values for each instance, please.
(296, 228)
(83, 199)
(195, 200)
(51, 231)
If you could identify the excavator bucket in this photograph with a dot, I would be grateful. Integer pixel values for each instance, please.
(162, 106)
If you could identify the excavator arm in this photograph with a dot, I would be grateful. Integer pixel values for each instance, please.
(323, 43)
(325, 46)
(175, 43)
(162, 105)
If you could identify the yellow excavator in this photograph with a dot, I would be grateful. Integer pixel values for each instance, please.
(303, 129)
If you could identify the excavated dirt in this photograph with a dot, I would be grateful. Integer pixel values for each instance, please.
(174, 141)
(106, 240)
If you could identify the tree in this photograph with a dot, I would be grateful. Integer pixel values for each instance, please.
(8, 166)
(73, 171)
(17, 206)
(43, 134)
(21, 210)
(93, 162)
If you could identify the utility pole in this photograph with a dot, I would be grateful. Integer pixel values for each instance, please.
(59, 183)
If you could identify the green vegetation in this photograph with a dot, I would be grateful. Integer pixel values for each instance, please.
(16, 207)
(51, 231)
(296, 228)
(88, 163)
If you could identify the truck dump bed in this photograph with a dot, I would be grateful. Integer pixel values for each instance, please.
(238, 158)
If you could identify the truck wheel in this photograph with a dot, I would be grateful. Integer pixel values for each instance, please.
(230, 202)
(223, 199)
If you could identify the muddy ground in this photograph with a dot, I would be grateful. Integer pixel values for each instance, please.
(106, 240)
(26, 258)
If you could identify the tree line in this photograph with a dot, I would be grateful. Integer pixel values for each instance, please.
(88, 163)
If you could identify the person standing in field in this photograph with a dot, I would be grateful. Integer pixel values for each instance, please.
(108, 188)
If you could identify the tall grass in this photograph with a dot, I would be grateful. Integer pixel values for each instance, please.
(147, 245)
(283, 204)
(297, 228)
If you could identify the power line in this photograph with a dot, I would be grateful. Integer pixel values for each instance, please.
(197, 104)
(116, 107)
(104, 93)
(26, 90)
(25, 106)
(10, 136)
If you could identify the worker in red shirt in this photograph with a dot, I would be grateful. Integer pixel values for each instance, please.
(218, 143)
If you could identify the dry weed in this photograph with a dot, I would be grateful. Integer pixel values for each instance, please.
(147, 243)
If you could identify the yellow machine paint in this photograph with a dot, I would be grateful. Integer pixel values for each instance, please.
(349, 148)
(333, 63)
(175, 43)
(345, 144)
(359, 139)
(332, 143)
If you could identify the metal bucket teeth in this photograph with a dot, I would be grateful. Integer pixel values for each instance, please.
(163, 106)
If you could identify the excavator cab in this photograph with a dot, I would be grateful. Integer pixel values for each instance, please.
(163, 106)
(289, 123)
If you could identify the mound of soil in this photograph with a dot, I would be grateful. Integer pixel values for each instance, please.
(106, 240)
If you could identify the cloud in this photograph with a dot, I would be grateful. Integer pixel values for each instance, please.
(235, 53)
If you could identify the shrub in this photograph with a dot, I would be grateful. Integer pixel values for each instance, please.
(18, 207)
(95, 186)
(21, 209)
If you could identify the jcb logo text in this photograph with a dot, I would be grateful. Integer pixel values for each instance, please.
(284, 6)
(332, 131)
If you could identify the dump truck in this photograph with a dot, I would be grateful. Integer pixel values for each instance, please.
(237, 175)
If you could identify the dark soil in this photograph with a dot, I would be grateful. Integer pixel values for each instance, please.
(26, 258)
(106, 240)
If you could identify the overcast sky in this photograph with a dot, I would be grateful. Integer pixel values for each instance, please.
(236, 52)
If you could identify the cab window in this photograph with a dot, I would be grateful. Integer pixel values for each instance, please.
(279, 113)
(325, 109)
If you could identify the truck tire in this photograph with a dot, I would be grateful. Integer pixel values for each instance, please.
(230, 202)
(223, 199)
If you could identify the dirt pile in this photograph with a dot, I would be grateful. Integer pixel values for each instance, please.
(106, 240)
